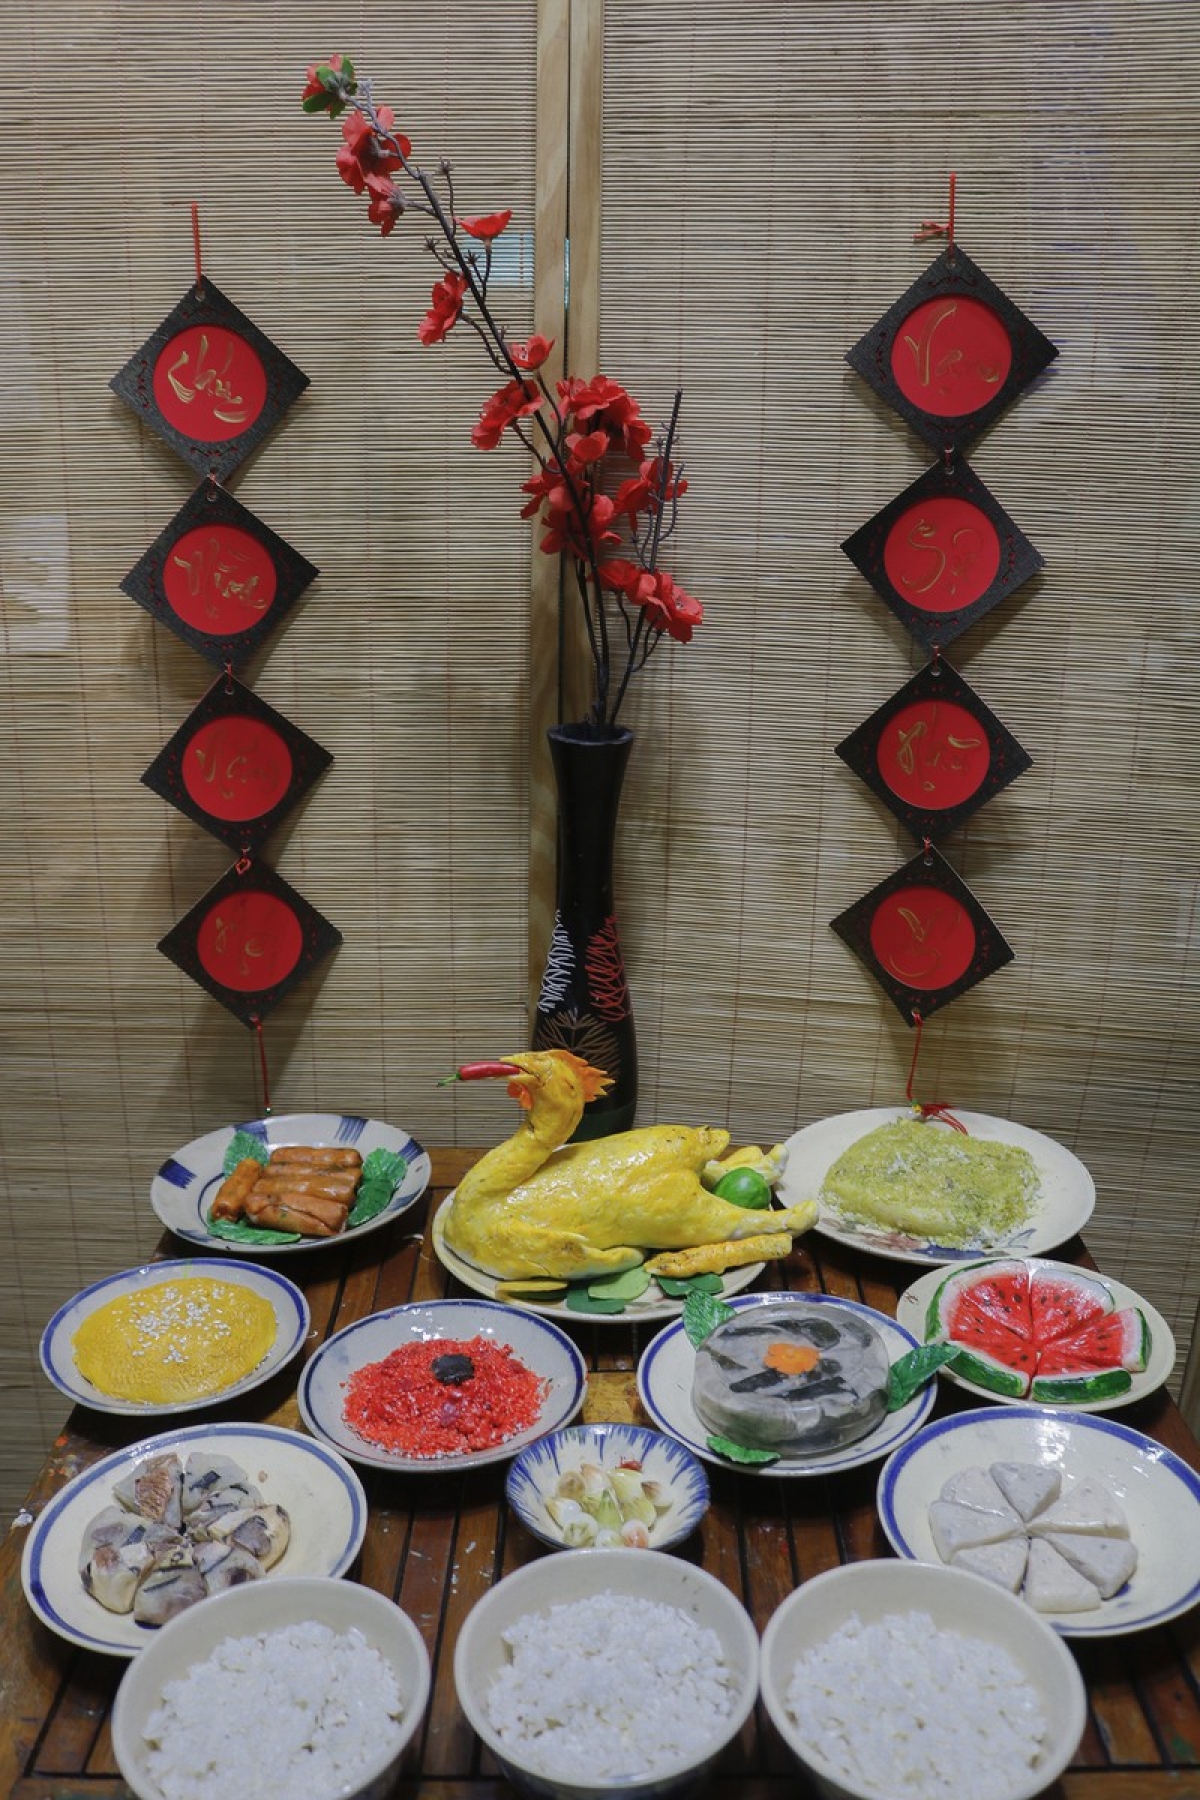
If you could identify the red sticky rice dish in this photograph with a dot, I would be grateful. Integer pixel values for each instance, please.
(401, 1405)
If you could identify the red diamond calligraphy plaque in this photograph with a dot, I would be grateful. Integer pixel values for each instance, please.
(249, 940)
(923, 936)
(236, 766)
(218, 577)
(934, 753)
(209, 382)
(952, 353)
(942, 554)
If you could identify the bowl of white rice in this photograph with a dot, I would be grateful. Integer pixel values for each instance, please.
(302, 1688)
(898, 1681)
(607, 1673)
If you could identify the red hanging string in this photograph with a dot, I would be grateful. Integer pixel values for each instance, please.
(262, 1058)
(928, 1109)
(931, 228)
(196, 242)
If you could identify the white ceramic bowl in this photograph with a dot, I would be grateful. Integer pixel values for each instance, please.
(264, 1606)
(647, 1574)
(956, 1601)
(533, 1477)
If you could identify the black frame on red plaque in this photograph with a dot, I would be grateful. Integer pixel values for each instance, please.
(952, 353)
(249, 940)
(218, 577)
(934, 753)
(208, 382)
(942, 554)
(921, 922)
(236, 766)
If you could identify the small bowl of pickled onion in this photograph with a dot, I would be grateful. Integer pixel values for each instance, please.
(603, 1485)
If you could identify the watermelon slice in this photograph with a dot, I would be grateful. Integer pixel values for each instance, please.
(1063, 1302)
(995, 1291)
(1117, 1340)
(991, 1372)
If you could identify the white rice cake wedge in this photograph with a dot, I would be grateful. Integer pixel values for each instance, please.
(1107, 1562)
(1089, 1506)
(956, 1527)
(976, 1487)
(1003, 1563)
(1028, 1487)
(1053, 1586)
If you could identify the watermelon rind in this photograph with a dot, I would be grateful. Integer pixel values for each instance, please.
(964, 1279)
(1117, 1340)
(1079, 1390)
(978, 1367)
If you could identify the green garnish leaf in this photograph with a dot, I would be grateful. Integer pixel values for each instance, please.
(580, 1301)
(237, 1233)
(630, 1284)
(910, 1372)
(738, 1453)
(382, 1173)
(241, 1145)
(678, 1287)
(702, 1313)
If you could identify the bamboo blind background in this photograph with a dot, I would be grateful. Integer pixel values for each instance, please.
(749, 215)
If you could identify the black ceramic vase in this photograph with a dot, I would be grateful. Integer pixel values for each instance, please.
(584, 1003)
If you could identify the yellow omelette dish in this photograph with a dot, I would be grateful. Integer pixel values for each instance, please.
(178, 1341)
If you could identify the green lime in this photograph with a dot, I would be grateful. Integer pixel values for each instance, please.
(745, 1187)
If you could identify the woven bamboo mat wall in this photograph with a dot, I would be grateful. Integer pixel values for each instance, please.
(761, 173)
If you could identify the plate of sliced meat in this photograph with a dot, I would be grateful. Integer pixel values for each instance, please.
(269, 1187)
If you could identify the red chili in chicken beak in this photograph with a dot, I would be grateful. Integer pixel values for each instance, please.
(480, 1071)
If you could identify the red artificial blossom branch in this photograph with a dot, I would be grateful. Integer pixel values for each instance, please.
(611, 529)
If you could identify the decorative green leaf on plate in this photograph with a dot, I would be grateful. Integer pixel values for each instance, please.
(382, 1173)
(241, 1145)
(702, 1313)
(238, 1233)
(738, 1453)
(678, 1287)
(580, 1301)
(630, 1284)
(910, 1372)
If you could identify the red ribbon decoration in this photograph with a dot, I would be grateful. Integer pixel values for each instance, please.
(931, 228)
(262, 1057)
(928, 1109)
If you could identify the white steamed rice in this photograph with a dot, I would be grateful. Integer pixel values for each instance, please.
(917, 1712)
(610, 1686)
(293, 1714)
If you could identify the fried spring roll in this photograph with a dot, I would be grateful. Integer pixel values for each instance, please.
(316, 1156)
(333, 1185)
(304, 1213)
(230, 1199)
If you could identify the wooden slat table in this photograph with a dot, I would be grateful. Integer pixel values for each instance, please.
(436, 1543)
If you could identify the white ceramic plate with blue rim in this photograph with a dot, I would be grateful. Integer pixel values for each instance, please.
(185, 1185)
(1062, 1207)
(533, 1477)
(536, 1342)
(320, 1492)
(58, 1359)
(668, 1364)
(912, 1311)
(1158, 1493)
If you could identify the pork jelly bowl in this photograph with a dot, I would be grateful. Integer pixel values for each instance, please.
(854, 1748)
(640, 1733)
(242, 1734)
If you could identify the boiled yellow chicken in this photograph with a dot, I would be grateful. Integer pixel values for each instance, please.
(537, 1206)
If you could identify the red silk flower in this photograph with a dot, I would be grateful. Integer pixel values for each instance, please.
(532, 353)
(511, 402)
(486, 228)
(444, 313)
